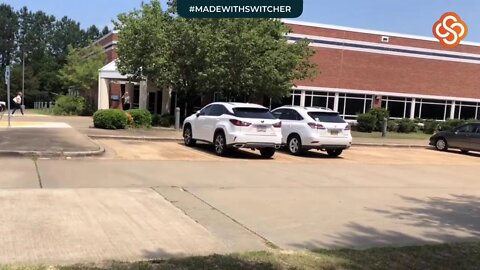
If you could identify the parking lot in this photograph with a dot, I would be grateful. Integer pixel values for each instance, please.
(368, 197)
(142, 150)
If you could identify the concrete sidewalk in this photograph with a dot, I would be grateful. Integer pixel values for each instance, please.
(41, 141)
(92, 225)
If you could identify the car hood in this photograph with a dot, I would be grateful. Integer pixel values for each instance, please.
(440, 133)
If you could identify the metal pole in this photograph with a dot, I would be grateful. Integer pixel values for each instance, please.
(23, 79)
(384, 127)
(7, 80)
(177, 118)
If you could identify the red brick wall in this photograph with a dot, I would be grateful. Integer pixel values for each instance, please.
(115, 89)
(111, 55)
(333, 33)
(106, 41)
(379, 72)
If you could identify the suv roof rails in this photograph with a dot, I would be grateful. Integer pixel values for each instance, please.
(322, 108)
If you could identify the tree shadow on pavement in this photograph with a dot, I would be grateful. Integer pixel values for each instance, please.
(440, 219)
(460, 213)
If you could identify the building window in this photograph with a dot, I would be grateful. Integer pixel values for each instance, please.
(397, 107)
(350, 105)
(467, 110)
(318, 101)
(354, 106)
(308, 100)
(296, 100)
(433, 111)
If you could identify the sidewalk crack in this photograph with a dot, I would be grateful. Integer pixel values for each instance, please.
(267, 242)
(38, 173)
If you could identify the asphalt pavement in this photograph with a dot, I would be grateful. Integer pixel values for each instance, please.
(370, 197)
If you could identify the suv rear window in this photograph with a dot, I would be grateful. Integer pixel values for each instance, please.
(257, 113)
(326, 117)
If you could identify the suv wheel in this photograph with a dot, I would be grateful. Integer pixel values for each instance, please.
(294, 145)
(188, 137)
(441, 144)
(220, 144)
(267, 152)
(334, 152)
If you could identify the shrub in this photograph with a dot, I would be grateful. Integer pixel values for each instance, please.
(406, 126)
(155, 120)
(68, 105)
(130, 121)
(366, 122)
(165, 120)
(110, 119)
(392, 125)
(451, 124)
(141, 117)
(430, 126)
(380, 114)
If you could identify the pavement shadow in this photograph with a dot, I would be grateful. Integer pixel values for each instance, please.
(458, 152)
(313, 154)
(233, 154)
(442, 220)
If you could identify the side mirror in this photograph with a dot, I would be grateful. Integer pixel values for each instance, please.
(198, 113)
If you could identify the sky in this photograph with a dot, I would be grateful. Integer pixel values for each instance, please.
(414, 17)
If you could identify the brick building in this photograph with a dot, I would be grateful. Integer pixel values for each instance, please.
(411, 76)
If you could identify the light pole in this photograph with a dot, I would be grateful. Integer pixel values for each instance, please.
(23, 80)
(7, 81)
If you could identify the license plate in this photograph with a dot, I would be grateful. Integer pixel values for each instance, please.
(261, 128)
(334, 132)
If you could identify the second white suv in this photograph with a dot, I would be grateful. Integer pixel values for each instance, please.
(229, 125)
(313, 128)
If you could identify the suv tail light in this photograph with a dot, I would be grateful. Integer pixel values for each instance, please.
(348, 127)
(239, 123)
(277, 125)
(316, 126)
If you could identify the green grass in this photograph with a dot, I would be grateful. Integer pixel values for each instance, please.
(392, 135)
(448, 256)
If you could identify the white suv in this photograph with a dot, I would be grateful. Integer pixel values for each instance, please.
(234, 125)
(313, 128)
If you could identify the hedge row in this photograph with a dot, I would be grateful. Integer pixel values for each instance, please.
(118, 119)
(369, 122)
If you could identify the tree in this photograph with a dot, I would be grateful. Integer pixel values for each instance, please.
(242, 59)
(8, 29)
(81, 70)
(105, 31)
(92, 34)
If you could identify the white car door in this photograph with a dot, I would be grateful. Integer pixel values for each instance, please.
(198, 124)
(289, 123)
(211, 121)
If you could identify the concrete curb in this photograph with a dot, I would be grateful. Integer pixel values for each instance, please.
(52, 154)
(174, 139)
(136, 138)
(390, 145)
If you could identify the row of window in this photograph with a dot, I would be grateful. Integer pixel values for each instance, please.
(350, 105)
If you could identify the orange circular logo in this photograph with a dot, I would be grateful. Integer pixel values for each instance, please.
(450, 30)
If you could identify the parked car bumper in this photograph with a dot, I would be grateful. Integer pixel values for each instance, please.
(254, 141)
(327, 142)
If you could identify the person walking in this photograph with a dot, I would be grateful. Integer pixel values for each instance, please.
(17, 103)
(126, 101)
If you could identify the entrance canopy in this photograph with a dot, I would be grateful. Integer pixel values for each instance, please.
(110, 71)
